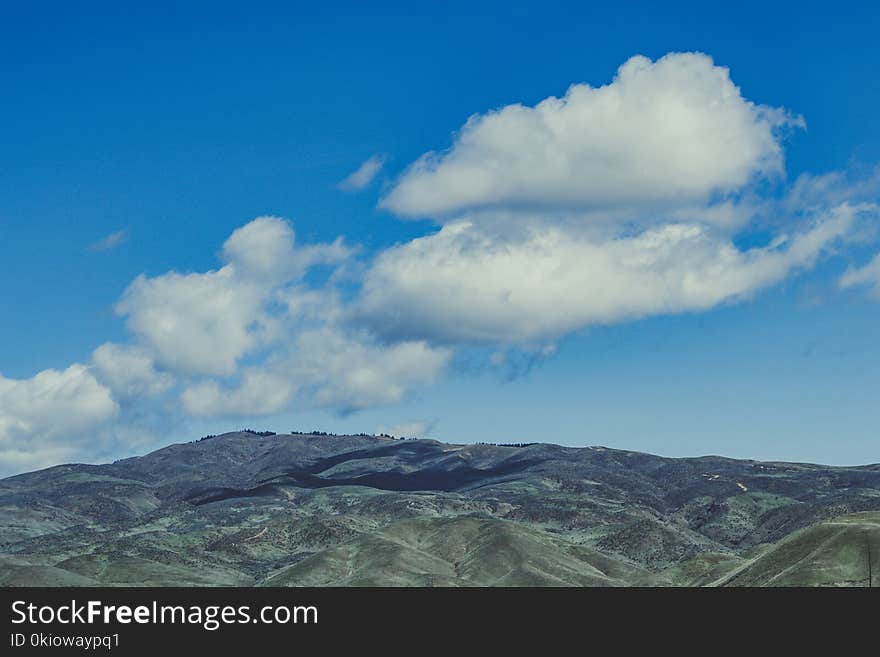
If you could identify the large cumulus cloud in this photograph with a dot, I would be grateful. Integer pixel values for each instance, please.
(664, 134)
(609, 204)
(463, 284)
(51, 416)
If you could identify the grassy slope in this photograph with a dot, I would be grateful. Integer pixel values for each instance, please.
(832, 553)
(458, 552)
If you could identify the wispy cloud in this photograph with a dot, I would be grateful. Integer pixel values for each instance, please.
(410, 429)
(364, 175)
(109, 242)
(867, 276)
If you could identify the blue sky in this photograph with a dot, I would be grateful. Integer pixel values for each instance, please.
(161, 130)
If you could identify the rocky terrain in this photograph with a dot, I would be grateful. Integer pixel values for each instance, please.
(247, 509)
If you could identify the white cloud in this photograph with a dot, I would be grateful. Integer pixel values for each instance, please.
(129, 371)
(256, 306)
(204, 323)
(197, 323)
(607, 205)
(264, 249)
(664, 134)
(260, 392)
(41, 418)
(810, 191)
(352, 372)
(323, 367)
(868, 276)
(109, 242)
(462, 284)
(25, 456)
(410, 429)
(363, 175)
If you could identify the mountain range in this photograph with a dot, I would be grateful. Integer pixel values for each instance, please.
(263, 509)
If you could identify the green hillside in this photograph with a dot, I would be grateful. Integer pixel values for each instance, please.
(840, 552)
